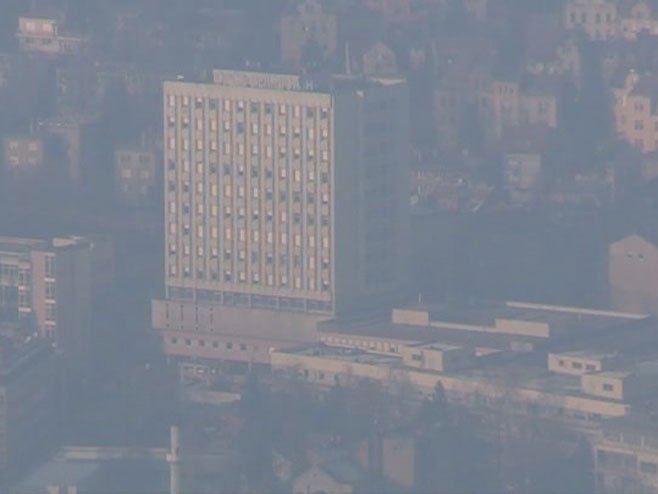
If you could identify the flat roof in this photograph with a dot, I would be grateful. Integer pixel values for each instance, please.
(444, 347)
(385, 329)
(339, 353)
(587, 354)
(21, 245)
(507, 375)
(486, 313)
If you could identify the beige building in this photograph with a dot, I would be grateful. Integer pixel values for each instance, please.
(597, 18)
(284, 198)
(636, 118)
(580, 362)
(625, 384)
(469, 354)
(638, 20)
(309, 24)
(44, 35)
(22, 154)
(633, 273)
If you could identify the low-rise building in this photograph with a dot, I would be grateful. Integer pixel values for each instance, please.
(471, 354)
(437, 356)
(638, 381)
(638, 19)
(636, 115)
(77, 134)
(23, 154)
(137, 175)
(581, 362)
(45, 36)
(597, 18)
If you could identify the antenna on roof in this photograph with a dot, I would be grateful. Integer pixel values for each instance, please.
(348, 70)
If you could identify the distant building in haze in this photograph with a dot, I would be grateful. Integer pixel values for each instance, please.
(23, 154)
(137, 175)
(48, 285)
(282, 197)
(45, 36)
(76, 135)
(633, 273)
(307, 27)
(636, 116)
(638, 19)
(597, 18)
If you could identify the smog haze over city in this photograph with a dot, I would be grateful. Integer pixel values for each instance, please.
(328, 246)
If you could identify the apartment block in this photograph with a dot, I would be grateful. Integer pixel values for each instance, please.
(282, 196)
(47, 285)
(22, 154)
(597, 18)
(636, 118)
(638, 19)
(45, 36)
(510, 104)
(76, 136)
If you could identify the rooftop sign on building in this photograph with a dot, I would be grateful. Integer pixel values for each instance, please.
(281, 82)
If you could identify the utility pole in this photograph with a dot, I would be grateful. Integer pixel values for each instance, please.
(173, 458)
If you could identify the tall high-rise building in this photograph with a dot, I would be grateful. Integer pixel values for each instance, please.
(282, 194)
